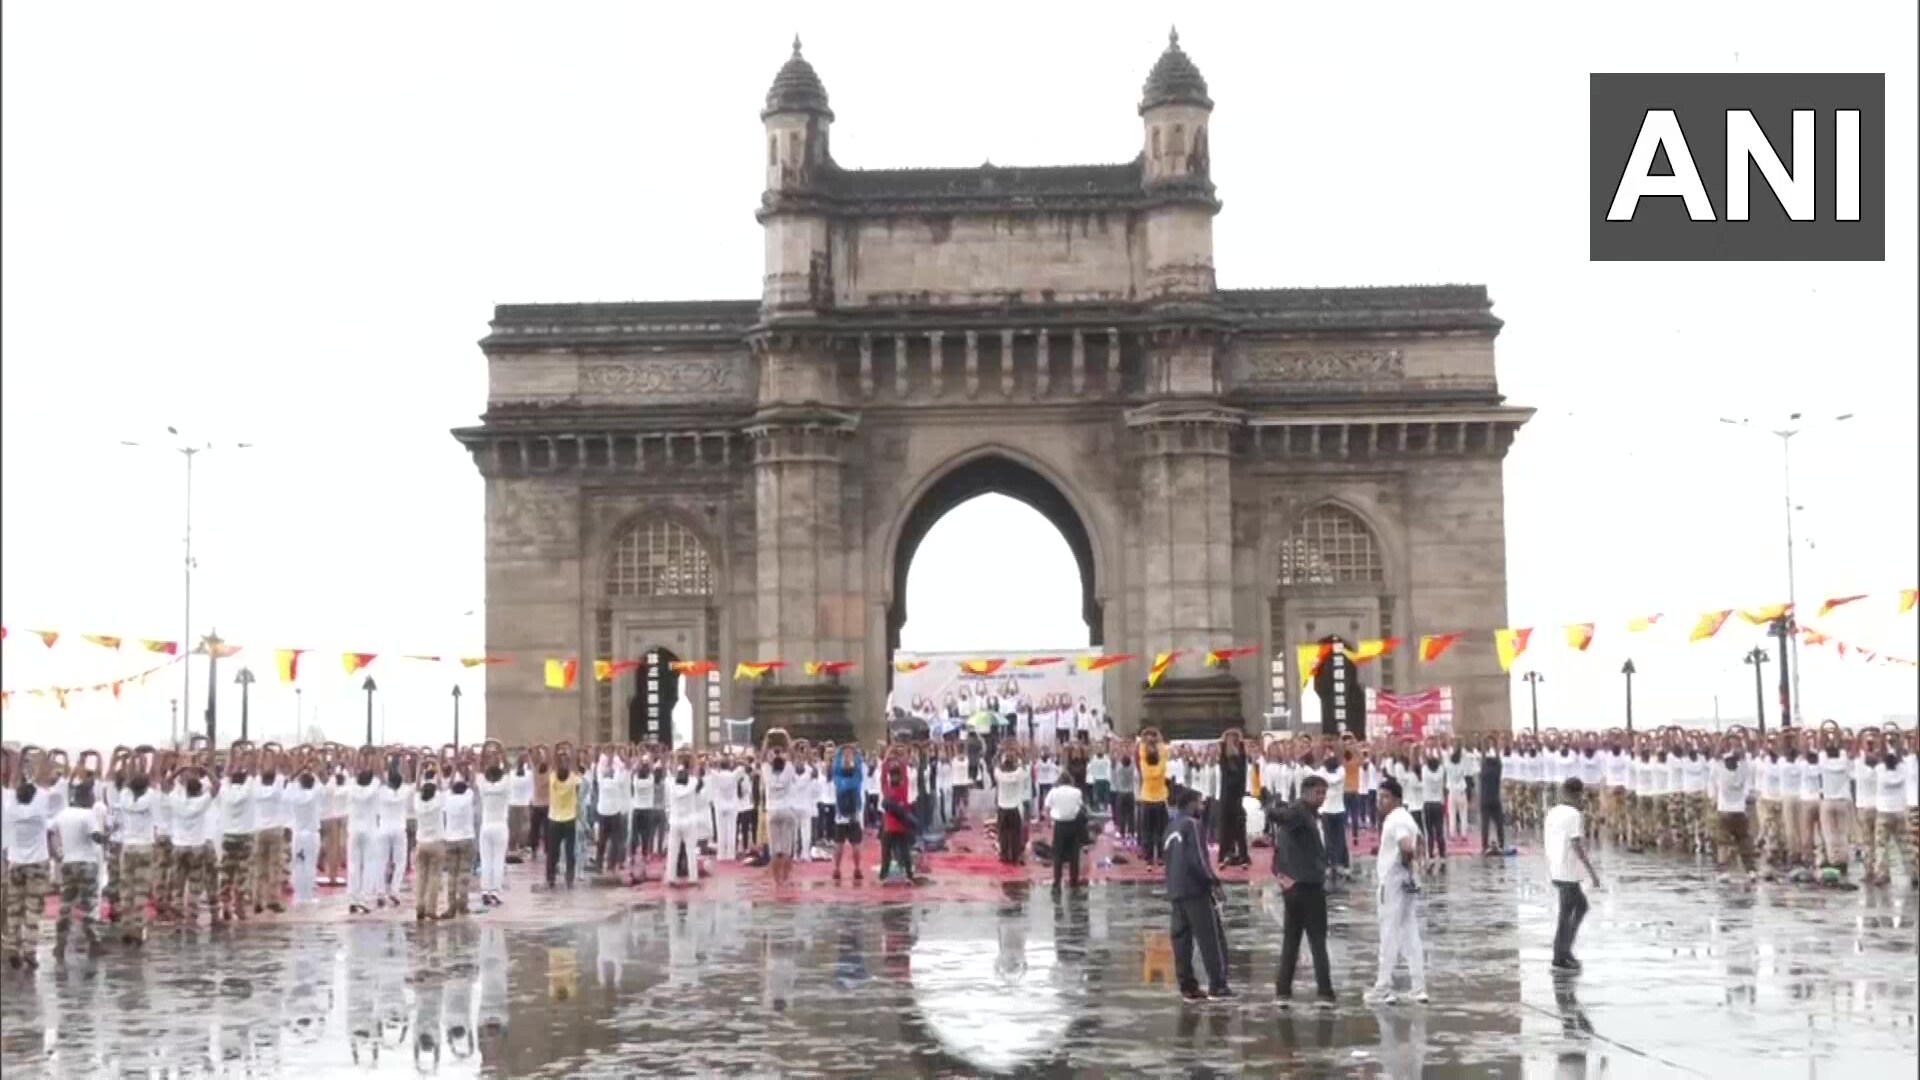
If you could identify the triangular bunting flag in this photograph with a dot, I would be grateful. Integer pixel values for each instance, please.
(1643, 623)
(1101, 663)
(693, 668)
(1223, 657)
(1372, 649)
(1309, 658)
(1907, 599)
(603, 670)
(908, 667)
(354, 661)
(170, 648)
(1432, 645)
(48, 637)
(1510, 643)
(105, 641)
(981, 667)
(289, 662)
(1827, 606)
(1765, 615)
(754, 669)
(561, 673)
(1039, 661)
(478, 661)
(1161, 662)
(1709, 624)
(828, 668)
(1579, 636)
(418, 656)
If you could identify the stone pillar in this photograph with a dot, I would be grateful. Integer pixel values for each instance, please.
(1186, 555)
(807, 608)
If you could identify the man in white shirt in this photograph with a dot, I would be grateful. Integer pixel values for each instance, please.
(81, 829)
(304, 802)
(1566, 845)
(429, 854)
(519, 804)
(1398, 894)
(684, 809)
(237, 809)
(613, 791)
(1732, 781)
(269, 842)
(29, 866)
(1063, 807)
(137, 854)
(457, 844)
(496, 815)
(194, 829)
(364, 847)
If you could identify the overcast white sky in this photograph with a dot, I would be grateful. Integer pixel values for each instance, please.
(288, 224)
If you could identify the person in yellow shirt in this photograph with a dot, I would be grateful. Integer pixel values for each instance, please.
(563, 812)
(1153, 795)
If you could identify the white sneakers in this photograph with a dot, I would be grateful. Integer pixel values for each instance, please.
(1378, 996)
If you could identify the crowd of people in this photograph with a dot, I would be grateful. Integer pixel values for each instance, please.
(152, 836)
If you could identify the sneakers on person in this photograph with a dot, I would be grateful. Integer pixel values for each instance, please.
(1195, 996)
(1420, 997)
(1567, 964)
(1225, 993)
(1377, 996)
(1285, 1001)
(1325, 1001)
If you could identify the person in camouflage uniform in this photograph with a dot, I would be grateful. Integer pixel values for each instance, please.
(83, 832)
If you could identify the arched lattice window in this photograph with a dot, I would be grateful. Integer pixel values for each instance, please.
(1330, 545)
(659, 558)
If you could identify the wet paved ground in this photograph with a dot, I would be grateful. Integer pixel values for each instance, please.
(1684, 977)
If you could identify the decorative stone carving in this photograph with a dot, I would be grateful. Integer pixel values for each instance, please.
(1321, 366)
(702, 379)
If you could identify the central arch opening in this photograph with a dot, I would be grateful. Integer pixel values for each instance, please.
(993, 556)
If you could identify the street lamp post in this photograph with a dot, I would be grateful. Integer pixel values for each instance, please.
(1534, 679)
(215, 649)
(245, 681)
(1756, 659)
(299, 716)
(456, 716)
(1627, 670)
(369, 687)
(1789, 690)
(175, 723)
(187, 451)
(1791, 644)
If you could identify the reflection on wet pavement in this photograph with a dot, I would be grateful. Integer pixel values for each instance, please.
(1683, 977)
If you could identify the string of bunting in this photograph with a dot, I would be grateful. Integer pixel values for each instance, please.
(61, 694)
(1510, 643)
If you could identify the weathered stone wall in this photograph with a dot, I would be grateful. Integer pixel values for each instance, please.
(1334, 365)
(1456, 554)
(534, 605)
(569, 377)
(959, 260)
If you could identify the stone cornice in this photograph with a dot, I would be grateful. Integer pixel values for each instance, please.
(1364, 435)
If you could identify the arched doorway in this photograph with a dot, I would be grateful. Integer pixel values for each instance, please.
(656, 696)
(658, 608)
(1332, 583)
(994, 474)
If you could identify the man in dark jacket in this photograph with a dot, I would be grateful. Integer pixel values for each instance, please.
(1492, 815)
(1233, 812)
(1191, 888)
(1299, 862)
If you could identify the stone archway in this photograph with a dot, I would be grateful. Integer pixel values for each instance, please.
(994, 473)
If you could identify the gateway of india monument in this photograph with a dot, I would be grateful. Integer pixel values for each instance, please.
(748, 480)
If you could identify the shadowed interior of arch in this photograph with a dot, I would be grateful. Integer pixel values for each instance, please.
(994, 551)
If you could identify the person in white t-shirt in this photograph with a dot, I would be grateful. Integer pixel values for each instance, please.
(237, 805)
(138, 806)
(364, 846)
(496, 816)
(270, 840)
(195, 831)
(1063, 807)
(305, 802)
(82, 830)
(429, 854)
(1566, 845)
(1732, 782)
(1397, 868)
(456, 840)
(1890, 814)
(29, 866)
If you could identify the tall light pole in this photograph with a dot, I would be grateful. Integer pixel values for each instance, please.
(1757, 659)
(188, 451)
(1627, 670)
(245, 682)
(369, 687)
(1534, 679)
(1796, 423)
(456, 716)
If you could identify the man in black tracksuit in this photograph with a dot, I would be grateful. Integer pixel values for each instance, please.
(1492, 815)
(1191, 889)
(1299, 862)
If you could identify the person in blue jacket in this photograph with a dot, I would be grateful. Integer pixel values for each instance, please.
(849, 776)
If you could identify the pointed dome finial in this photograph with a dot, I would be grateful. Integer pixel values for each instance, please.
(797, 88)
(1175, 79)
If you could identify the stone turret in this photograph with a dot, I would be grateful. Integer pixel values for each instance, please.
(1175, 111)
(797, 121)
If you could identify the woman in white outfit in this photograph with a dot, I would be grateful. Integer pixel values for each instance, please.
(684, 807)
(496, 801)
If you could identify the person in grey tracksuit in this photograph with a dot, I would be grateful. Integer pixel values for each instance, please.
(1192, 888)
